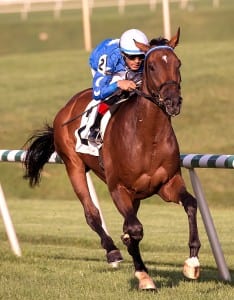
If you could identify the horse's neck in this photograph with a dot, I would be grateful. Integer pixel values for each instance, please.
(151, 118)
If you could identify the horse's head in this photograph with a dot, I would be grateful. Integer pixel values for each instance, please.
(162, 78)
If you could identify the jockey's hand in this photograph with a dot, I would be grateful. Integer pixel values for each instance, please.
(126, 85)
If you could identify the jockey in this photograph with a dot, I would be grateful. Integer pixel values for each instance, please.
(110, 61)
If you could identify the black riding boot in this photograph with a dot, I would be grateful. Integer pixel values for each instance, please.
(94, 135)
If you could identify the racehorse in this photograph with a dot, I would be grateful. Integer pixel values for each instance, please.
(140, 156)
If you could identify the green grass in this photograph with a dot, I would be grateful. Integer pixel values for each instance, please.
(62, 258)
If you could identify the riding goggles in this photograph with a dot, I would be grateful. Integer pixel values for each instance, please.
(134, 56)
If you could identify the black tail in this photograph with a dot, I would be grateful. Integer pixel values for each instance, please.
(41, 146)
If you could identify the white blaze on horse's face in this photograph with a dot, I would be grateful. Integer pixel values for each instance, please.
(164, 57)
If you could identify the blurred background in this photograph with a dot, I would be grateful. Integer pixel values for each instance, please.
(43, 62)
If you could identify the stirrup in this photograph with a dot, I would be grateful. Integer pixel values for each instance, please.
(95, 137)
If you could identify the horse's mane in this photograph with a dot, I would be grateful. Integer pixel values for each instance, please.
(160, 41)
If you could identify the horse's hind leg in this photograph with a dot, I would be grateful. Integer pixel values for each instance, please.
(76, 172)
(175, 191)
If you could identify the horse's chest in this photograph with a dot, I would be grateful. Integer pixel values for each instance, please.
(148, 183)
(155, 171)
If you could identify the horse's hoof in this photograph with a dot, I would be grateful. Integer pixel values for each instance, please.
(114, 257)
(145, 282)
(191, 268)
(114, 264)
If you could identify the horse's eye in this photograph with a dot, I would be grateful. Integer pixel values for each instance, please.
(151, 67)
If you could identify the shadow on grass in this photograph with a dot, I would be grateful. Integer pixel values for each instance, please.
(170, 278)
(164, 274)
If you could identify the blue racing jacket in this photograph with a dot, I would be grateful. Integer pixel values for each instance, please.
(109, 66)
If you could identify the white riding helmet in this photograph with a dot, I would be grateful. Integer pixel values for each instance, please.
(127, 44)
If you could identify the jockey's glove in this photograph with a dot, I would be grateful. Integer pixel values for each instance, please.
(134, 76)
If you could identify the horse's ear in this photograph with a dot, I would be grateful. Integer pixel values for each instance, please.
(141, 46)
(174, 41)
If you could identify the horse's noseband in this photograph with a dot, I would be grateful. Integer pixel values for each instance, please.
(170, 82)
(157, 95)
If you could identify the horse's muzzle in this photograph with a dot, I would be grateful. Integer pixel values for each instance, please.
(173, 105)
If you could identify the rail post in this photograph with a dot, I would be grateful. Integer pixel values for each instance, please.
(209, 226)
(9, 225)
(192, 161)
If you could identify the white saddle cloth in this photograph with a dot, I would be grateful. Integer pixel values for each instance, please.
(82, 133)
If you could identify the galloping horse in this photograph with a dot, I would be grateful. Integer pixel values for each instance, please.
(140, 156)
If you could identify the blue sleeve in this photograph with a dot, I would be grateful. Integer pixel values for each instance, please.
(102, 87)
(108, 64)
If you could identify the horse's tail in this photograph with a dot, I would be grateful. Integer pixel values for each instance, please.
(41, 146)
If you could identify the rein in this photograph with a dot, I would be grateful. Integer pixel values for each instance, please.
(156, 98)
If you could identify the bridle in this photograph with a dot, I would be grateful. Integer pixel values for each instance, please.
(155, 96)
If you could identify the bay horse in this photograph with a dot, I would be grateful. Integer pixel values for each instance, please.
(140, 156)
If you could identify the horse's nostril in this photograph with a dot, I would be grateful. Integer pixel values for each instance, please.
(168, 101)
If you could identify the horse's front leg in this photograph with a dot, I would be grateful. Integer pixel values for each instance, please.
(192, 266)
(132, 235)
(175, 191)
